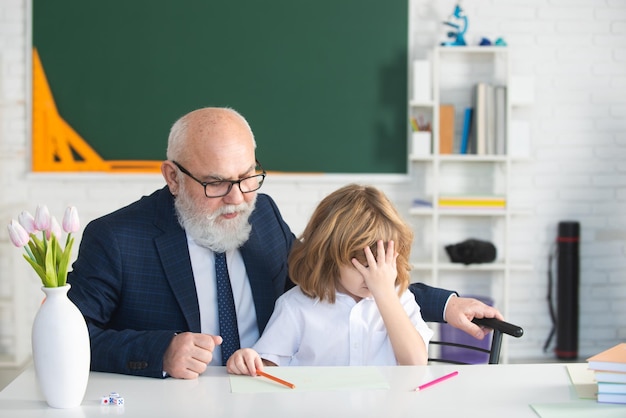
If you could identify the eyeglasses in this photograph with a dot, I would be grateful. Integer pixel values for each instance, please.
(221, 188)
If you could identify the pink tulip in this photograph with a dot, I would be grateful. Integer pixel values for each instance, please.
(19, 235)
(46, 254)
(42, 218)
(70, 220)
(55, 229)
(28, 222)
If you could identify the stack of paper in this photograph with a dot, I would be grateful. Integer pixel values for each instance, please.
(472, 202)
(609, 369)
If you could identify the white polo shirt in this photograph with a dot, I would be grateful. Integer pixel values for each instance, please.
(307, 332)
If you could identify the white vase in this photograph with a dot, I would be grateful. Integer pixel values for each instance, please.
(61, 350)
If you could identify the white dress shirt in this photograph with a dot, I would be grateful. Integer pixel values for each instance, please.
(203, 266)
(304, 331)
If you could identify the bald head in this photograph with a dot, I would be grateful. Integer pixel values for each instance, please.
(207, 129)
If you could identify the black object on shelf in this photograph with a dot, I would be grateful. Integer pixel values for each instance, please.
(471, 251)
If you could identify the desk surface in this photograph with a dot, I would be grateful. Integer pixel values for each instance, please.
(479, 390)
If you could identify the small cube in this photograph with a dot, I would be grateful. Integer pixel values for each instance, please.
(105, 400)
(119, 401)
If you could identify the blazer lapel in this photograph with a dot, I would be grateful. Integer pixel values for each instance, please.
(175, 260)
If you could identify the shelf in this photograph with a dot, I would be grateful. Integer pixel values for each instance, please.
(447, 266)
(419, 103)
(500, 266)
(421, 211)
(471, 212)
(466, 158)
(424, 158)
(473, 158)
(443, 212)
(473, 49)
(457, 212)
(469, 158)
(456, 71)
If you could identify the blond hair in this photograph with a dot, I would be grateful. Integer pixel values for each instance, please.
(343, 224)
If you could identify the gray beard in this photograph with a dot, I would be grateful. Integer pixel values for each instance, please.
(210, 231)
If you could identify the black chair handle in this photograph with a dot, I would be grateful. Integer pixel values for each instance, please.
(502, 326)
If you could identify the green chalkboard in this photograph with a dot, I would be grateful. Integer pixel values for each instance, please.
(323, 83)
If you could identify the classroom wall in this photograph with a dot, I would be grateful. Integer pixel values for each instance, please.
(576, 53)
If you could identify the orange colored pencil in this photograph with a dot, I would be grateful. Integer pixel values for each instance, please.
(276, 379)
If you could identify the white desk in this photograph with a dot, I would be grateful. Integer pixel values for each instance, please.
(478, 391)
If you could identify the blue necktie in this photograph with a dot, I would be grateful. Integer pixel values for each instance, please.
(226, 309)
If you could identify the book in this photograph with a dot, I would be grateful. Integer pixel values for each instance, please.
(615, 377)
(467, 129)
(500, 120)
(613, 359)
(446, 129)
(612, 397)
(490, 119)
(421, 203)
(583, 381)
(472, 202)
(472, 197)
(475, 202)
(604, 387)
(480, 119)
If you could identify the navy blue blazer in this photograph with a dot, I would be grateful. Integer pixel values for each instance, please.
(133, 281)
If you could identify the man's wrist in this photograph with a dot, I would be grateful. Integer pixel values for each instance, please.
(445, 307)
(166, 374)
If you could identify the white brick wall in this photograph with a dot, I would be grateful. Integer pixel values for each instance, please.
(576, 52)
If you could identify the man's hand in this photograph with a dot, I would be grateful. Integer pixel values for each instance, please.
(460, 312)
(189, 353)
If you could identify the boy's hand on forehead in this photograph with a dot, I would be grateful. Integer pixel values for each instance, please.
(381, 271)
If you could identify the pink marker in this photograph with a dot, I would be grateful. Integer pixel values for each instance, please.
(433, 382)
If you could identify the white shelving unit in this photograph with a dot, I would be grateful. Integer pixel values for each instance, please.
(454, 72)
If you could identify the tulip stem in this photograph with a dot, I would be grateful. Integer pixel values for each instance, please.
(30, 254)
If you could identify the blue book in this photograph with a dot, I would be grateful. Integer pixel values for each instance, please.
(467, 128)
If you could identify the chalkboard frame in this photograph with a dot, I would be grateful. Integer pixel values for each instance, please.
(323, 83)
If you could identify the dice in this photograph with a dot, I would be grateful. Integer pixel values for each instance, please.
(113, 398)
